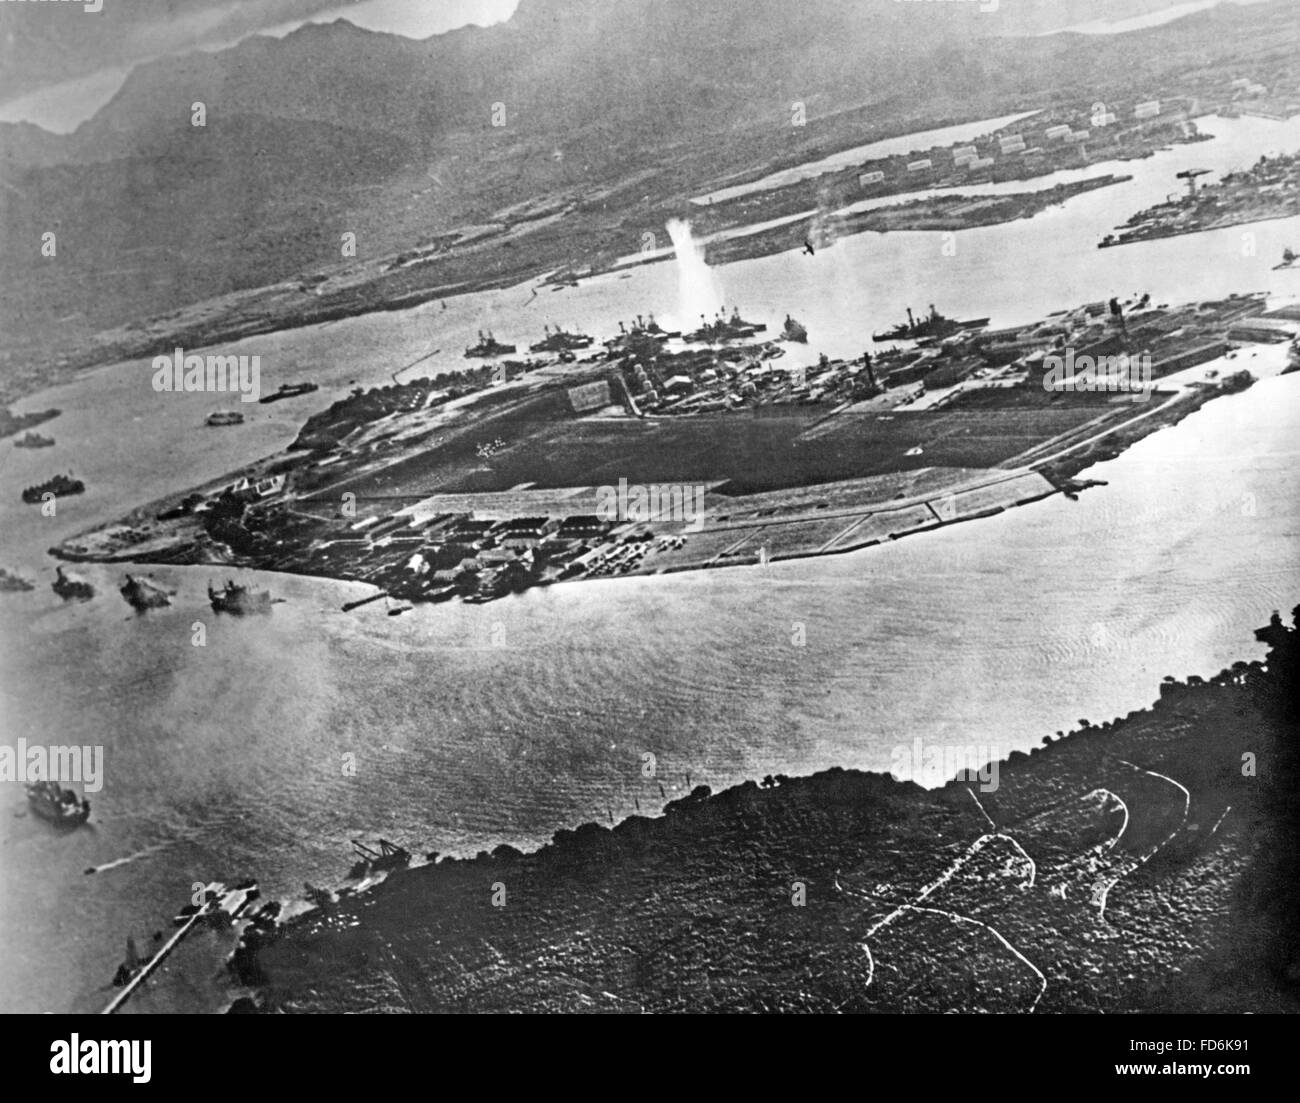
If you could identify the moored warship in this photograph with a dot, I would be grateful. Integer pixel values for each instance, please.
(287, 390)
(560, 341)
(239, 600)
(60, 486)
(142, 594)
(34, 440)
(934, 325)
(723, 329)
(13, 583)
(71, 586)
(488, 346)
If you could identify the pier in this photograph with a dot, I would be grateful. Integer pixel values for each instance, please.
(219, 898)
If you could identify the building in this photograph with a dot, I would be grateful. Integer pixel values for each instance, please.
(1148, 110)
(583, 527)
(527, 532)
(248, 491)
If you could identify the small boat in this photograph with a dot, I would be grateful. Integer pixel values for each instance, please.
(57, 805)
(60, 486)
(289, 390)
(71, 586)
(33, 440)
(239, 600)
(1288, 259)
(225, 417)
(142, 594)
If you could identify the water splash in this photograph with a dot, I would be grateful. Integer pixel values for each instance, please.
(699, 291)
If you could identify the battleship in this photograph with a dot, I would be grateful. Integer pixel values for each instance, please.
(239, 600)
(57, 805)
(723, 329)
(935, 325)
(646, 334)
(34, 440)
(61, 486)
(487, 347)
(142, 594)
(560, 341)
(71, 587)
(287, 390)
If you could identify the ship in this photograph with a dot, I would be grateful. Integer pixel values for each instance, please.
(488, 346)
(560, 341)
(71, 586)
(142, 595)
(388, 856)
(1288, 259)
(794, 331)
(227, 417)
(61, 486)
(57, 805)
(289, 390)
(239, 600)
(34, 440)
(934, 325)
(723, 329)
(1292, 358)
(13, 583)
(640, 335)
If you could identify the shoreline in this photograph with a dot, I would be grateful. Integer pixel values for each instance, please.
(1111, 910)
(742, 543)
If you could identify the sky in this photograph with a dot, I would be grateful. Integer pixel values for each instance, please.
(61, 62)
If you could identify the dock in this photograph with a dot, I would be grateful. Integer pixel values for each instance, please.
(232, 901)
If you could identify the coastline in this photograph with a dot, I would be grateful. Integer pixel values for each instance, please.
(859, 892)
